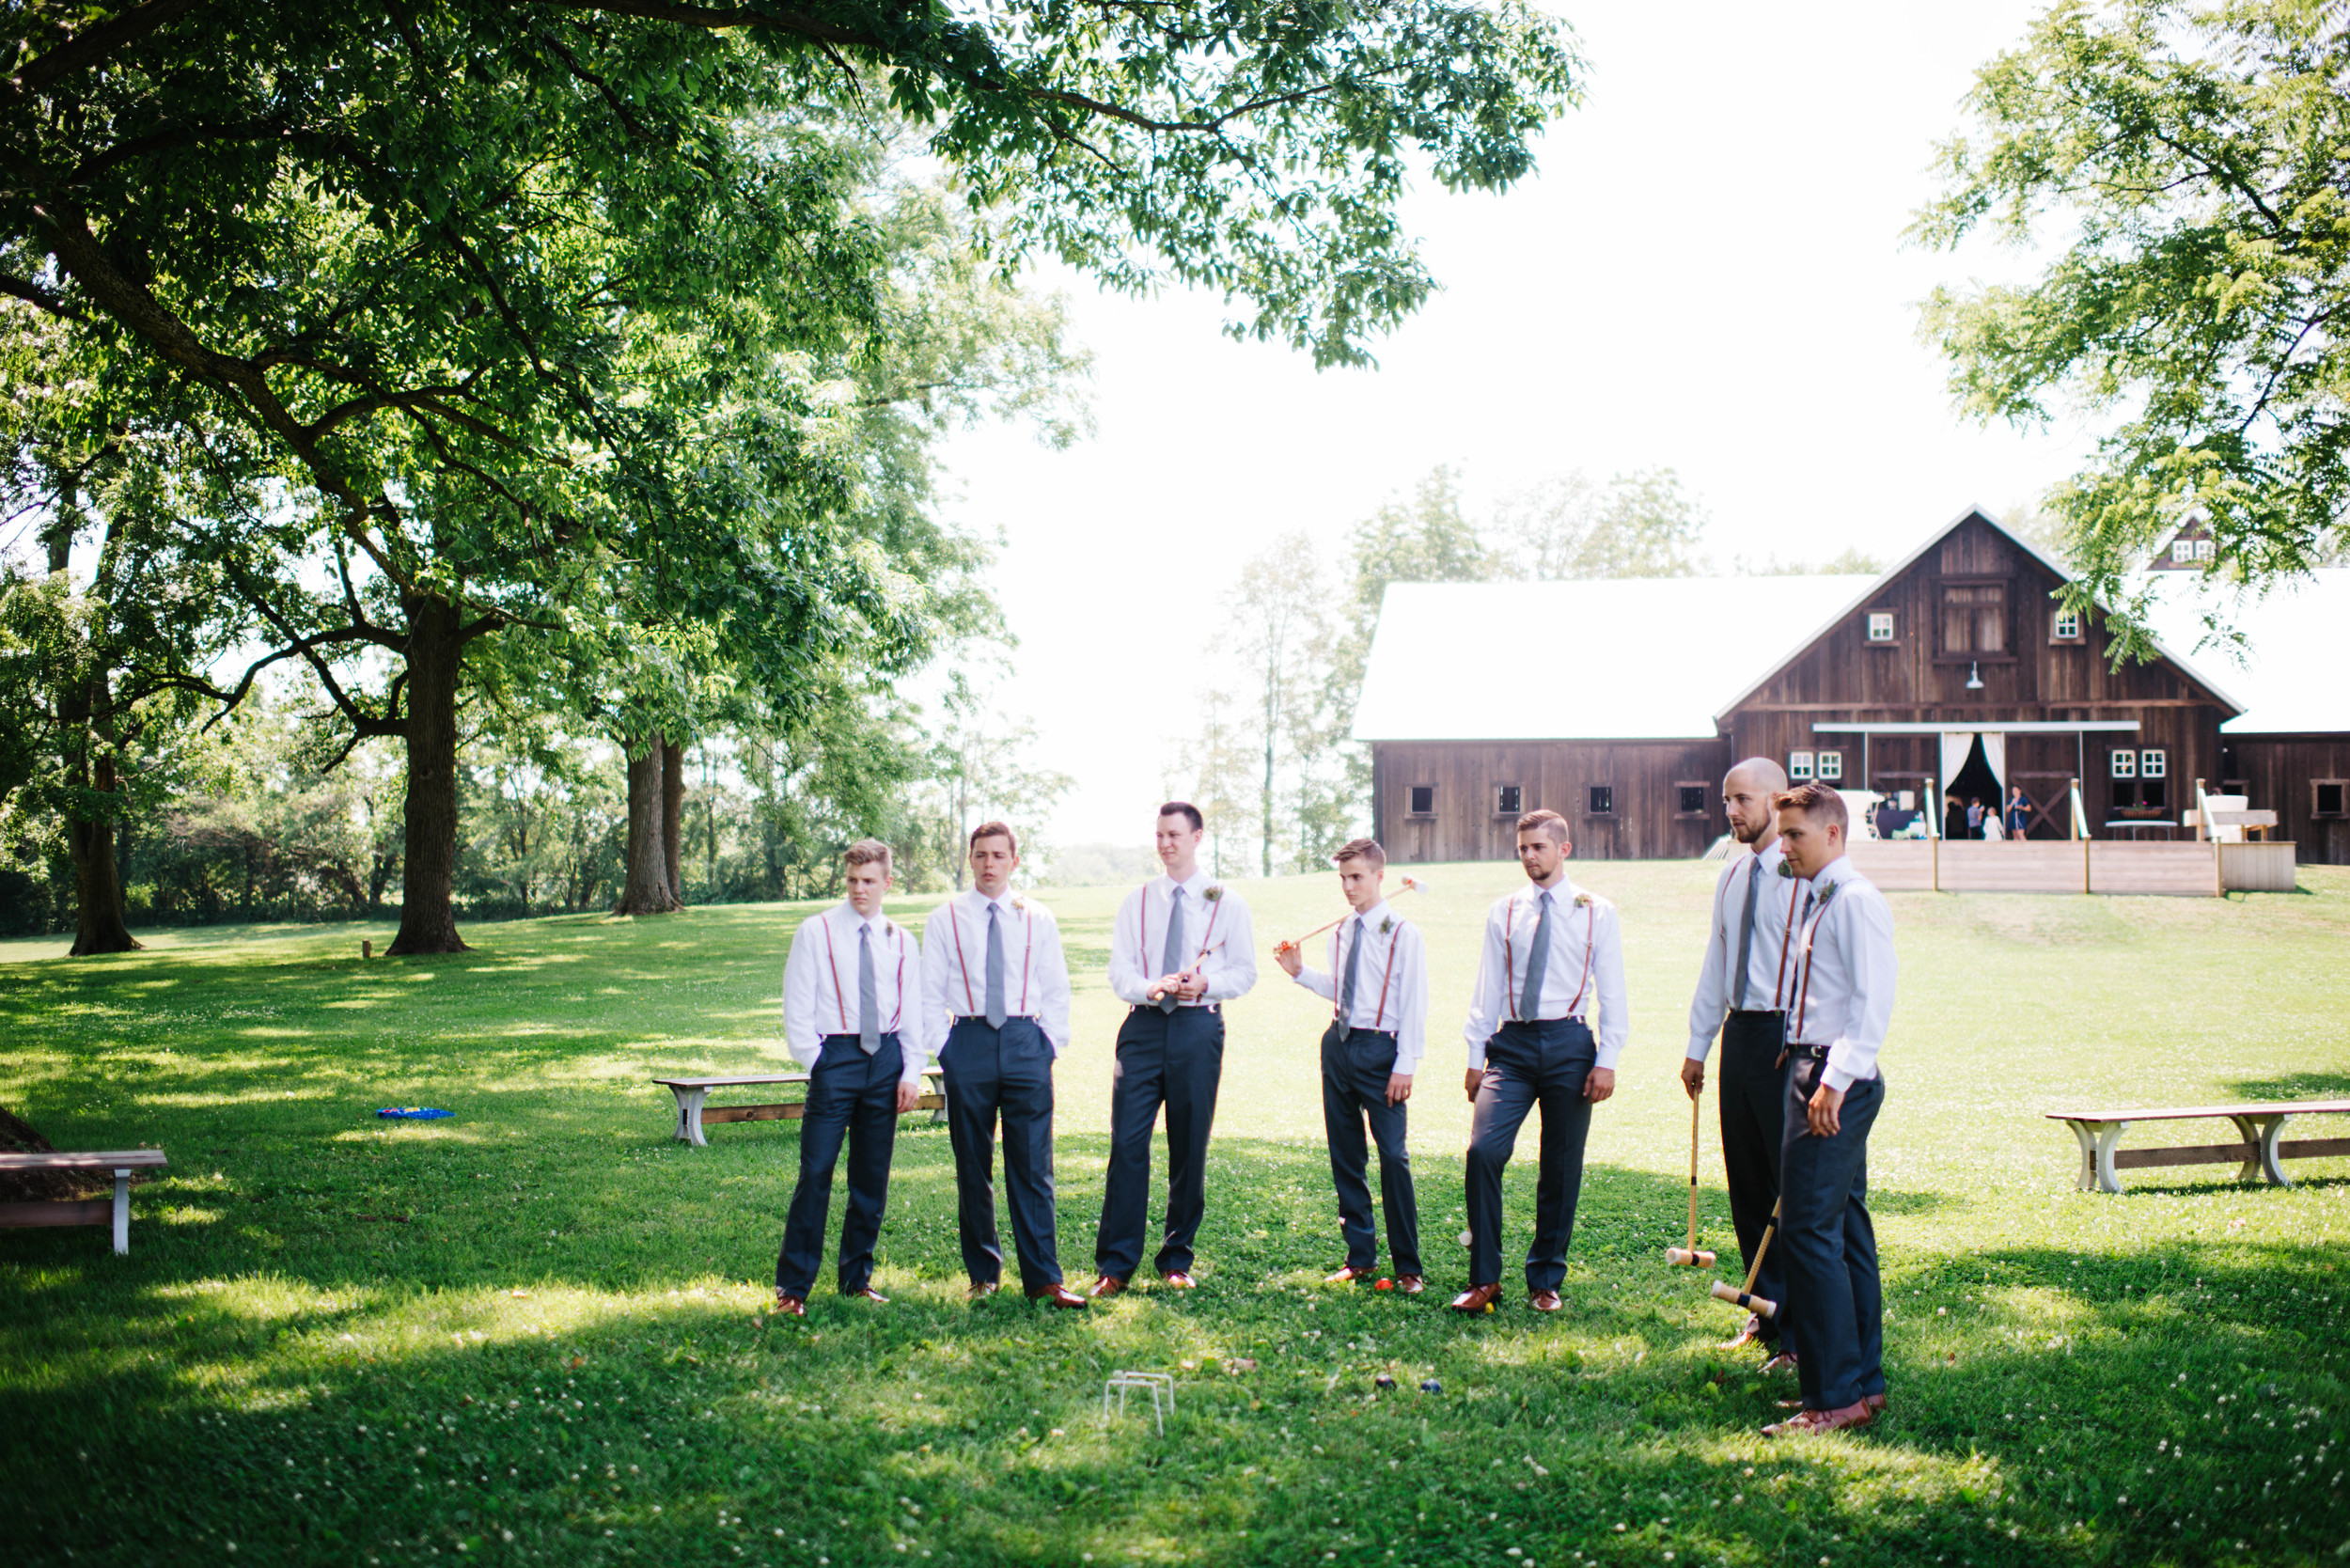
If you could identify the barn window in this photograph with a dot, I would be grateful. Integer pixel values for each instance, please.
(2330, 794)
(1880, 626)
(2153, 764)
(1974, 619)
(1600, 800)
(1799, 764)
(1506, 798)
(2182, 550)
(2205, 549)
(1423, 800)
(2068, 626)
(1829, 766)
(2125, 765)
(1690, 799)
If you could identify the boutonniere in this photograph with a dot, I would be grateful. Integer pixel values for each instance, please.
(1583, 901)
(1020, 902)
(1827, 893)
(1787, 870)
(1215, 891)
(1387, 925)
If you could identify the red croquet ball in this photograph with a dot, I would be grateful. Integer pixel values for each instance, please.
(1384, 1285)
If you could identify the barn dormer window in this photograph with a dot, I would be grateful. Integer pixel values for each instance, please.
(1880, 626)
(2067, 626)
(1974, 619)
(1423, 800)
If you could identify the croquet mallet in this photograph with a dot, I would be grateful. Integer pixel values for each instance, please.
(1745, 1297)
(1410, 885)
(1691, 1256)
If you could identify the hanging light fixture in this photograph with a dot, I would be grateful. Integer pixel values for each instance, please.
(1974, 675)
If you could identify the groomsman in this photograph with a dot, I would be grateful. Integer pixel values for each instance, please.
(996, 994)
(1550, 953)
(852, 1017)
(1378, 1032)
(1740, 996)
(1839, 1002)
(1182, 948)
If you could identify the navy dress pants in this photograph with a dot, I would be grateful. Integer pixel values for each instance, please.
(1174, 1060)
(1355, 1067)
(1528, 1065)
(1005, 1072)
(1838, 1305)
(1753, 1095)
(855, 1096)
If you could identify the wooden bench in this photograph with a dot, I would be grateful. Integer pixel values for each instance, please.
(2099, 1131)
(93, 1211)
(692, 1094)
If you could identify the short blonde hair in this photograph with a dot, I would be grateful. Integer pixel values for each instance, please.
(1361, 849)
(867, 851)
(1545, 821)
(1817, 802)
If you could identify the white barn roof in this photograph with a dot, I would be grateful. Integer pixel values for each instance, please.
(2291, 680)
(1636, 658)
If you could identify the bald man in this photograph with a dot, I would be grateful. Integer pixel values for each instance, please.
(1742, 996)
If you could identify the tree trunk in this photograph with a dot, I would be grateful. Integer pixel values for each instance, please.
(436, 653)
(99, 922)
(673, 817)
(647, 889)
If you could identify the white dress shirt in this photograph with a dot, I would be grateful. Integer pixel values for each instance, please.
(819, 986)
(954, 965)
(1221, 943)
(1391, 980)
(1840, 993)
(1775, 904)
(1586, 963)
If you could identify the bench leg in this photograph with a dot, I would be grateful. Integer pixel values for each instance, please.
(2260, 1136)
(122, 1212)
(2097, 1140)
(689, 1116)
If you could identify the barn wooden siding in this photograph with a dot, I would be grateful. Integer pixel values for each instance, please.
(2281, 774)
(1642, 777)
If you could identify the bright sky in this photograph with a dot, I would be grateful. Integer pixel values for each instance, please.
(1707, 273)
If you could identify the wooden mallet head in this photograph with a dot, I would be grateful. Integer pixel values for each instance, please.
(1689, 1257)
(1760, 1306)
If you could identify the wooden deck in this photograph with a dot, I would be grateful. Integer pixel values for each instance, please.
(2183, 870)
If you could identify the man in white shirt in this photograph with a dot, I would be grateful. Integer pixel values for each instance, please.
(1740, 993)
(996, 994)
(1550, 953)
(1378, 990)
(852, 1017)
(1839, 1005)
(1182, 948)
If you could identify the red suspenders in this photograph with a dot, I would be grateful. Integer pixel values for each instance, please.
(1508, 959)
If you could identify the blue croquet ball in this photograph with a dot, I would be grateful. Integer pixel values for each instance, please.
(1429, 1385)
(1383, 1381)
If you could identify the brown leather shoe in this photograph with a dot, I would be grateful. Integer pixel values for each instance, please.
(1057, 1294)
(1477, 1299)
(981, 1289)
(789, 1306)
(1781, 1361)
(1544, 1301)
(1348, 1275)
(1820, 1423)
(1750, 1335)
(1176, 1279)
(867, 1294)
(1876, 1404)
(1409, 1284)
(1105, 1286)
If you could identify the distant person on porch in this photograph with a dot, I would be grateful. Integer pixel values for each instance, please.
(1953, 817)
(2018, 811)
(1974, 816)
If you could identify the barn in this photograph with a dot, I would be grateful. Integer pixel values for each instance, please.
(1619, 704)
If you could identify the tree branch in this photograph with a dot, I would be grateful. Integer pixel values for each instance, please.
(86, 49)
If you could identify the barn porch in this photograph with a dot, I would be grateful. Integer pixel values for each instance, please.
(2186, 870)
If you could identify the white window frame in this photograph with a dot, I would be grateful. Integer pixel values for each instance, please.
(2154, 762)
(1880, 626)
(2206, 548)
(1828, 767)
(2124, 764)
(1799, 765)
(2068, 626)
(2182, 551)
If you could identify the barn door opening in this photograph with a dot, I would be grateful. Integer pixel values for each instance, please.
(1972, 762)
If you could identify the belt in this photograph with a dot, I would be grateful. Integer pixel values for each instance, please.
(1757, 1013)
(982, 1018)
(1571, 1018)
(1817, 1052)
(1179, 1007)
(1388, 1035)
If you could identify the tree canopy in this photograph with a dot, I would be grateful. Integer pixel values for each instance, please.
(2191, 163)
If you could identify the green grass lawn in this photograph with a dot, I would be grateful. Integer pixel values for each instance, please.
(534, 1333)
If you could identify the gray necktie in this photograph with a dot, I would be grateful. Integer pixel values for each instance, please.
(996, 1012)
(1346, 986)
(1537, 962)
(1746, 928)
(1171, 962)
(867, 995)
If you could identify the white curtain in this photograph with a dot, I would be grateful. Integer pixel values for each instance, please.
(1956, 743)
(1995, 753)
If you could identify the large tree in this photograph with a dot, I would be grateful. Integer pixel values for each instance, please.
(2189, 165)
(428, 269)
